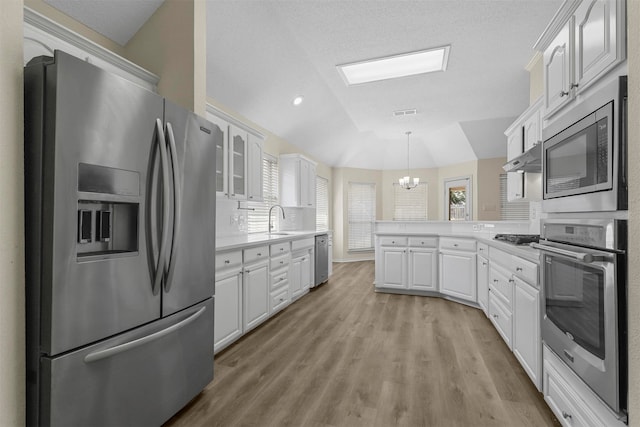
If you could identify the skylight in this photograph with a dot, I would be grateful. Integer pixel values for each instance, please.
(391, 67)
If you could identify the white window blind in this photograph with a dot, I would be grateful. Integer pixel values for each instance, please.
(258, 218)
(362, 215)
(410, 205)
(511, 211)
(322, 204)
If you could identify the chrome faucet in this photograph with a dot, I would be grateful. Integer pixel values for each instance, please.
(270, 209)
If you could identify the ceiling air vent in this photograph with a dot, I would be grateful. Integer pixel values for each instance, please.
(400, 113)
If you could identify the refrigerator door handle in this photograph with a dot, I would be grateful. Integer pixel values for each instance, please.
(165, 208)
(121, 348)
(177, 208)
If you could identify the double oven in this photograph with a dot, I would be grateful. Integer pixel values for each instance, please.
(583, 242)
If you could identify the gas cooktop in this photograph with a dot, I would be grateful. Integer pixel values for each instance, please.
(518, 239)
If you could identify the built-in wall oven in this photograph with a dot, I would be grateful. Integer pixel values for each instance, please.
(584, 154)
(583, 275)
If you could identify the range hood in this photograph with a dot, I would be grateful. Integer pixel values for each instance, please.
(529, 161)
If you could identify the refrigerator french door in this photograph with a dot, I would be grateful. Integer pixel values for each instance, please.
(120, 223)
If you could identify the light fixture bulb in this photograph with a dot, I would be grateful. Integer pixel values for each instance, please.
(298, 100)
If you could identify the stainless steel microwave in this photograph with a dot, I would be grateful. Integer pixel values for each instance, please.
(584, 158)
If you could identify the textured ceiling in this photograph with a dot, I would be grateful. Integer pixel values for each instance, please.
(117, 20)
(262, 53)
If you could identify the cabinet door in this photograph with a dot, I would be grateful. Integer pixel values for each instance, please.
(458, 275)
(531, 132)
(394, 267)
(228, 311)
(256, 295)
(515, 181)
(311, 186)
(237, 163)
(558, 69)
(483, 283)
(596, 37)
(222, 156)
(306, 272)
(422, 269)
(254, 169)
(295, 277)
(526, 330)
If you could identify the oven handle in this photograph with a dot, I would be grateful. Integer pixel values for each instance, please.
(584, 257)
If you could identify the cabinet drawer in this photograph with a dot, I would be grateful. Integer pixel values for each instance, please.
(256, 254)
(457, 244)
(279, 299)
(228, 260)
(423, 242)
(280, 248)
(483, 249)
(501, 319)
(561, 400)
(393, 241)
(500, 257)
(303, 243)
(526, 270)
(500, 283)
(279, 279)
(279, 262)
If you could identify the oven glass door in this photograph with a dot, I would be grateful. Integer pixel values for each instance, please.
(575, 301)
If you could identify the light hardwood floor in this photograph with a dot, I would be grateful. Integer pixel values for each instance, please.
(346, 356)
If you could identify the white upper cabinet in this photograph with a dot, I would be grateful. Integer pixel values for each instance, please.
(237, 163)
(599, 39)
(585, 40)
(558, 70)
(531, 130)
(238, 160)
(297, 181)
(254, 169)
(515, 181)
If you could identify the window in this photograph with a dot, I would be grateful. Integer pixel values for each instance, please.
(511, 211)
(362, 215)
(410, 205)
(322, 204)
(258, 218)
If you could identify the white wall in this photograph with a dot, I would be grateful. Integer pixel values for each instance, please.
(12, 366)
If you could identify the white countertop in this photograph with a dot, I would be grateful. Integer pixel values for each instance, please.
(256, 239)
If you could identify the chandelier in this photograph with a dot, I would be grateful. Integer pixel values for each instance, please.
(406, 182)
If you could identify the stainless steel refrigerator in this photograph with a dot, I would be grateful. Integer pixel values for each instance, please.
(120, 222)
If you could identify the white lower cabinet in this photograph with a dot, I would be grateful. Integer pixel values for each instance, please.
(527, 342)
(302, 273)
(256, 294)
(458, 275)
(228, 309)
(483, 283)
(422, 269)
(501, 317)
(394, 267)
(570, 399)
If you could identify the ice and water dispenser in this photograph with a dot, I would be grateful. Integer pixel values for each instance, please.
(108, 211)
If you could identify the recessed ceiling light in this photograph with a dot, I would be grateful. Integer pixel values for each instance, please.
(391, 67)
(298, 100)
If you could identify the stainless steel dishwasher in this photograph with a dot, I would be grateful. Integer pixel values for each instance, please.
(322, 259)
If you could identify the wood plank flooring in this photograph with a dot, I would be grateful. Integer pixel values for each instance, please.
(346, 356)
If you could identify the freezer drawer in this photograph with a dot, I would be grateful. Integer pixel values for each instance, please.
(109, 384)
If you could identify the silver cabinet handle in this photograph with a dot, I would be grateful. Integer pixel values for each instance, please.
(495, 280)
(484, 263)
(495, 316)
(566, 415)
(281, 262)
(511, 280)
(251, 197)
(281, 249)
(226, 261)
(455, 245)
(563, 93)
(259, 253)
(518, 268)
(574, 85)
(112, 351)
